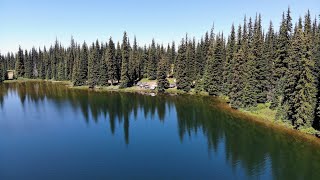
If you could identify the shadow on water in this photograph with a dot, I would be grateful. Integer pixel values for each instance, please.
(245, 144)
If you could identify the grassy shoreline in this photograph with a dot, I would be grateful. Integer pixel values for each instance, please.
(260, 114)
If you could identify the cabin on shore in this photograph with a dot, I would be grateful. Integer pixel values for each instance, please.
(10, 74)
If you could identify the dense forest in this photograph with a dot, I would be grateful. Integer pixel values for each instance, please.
(249, 66)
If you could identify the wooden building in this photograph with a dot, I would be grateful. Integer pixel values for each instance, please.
(10, 74)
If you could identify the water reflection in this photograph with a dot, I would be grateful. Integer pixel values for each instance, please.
(260, 152)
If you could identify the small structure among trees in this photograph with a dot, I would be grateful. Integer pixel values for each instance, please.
(10, 75)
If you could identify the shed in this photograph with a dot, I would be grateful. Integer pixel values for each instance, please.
(10, 74)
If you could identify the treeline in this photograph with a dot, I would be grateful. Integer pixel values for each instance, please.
(250, 66)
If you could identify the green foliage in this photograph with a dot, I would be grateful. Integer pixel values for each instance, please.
(250, 69)
(262, 66)
(125, 77)
(229, 64)
(281, 56)
(1, 69)
(152, 62)
(212, 77)
(20, 63)
(237, 85)
(93, 68)
(162, 80)
(182, 67)
(82, 66)
(118, 61)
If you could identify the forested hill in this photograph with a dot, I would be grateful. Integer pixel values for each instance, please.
(250, 65)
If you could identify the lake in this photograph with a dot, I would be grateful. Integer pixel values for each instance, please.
(48, 131)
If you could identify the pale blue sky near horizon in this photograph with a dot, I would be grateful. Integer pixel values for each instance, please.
(39, 22)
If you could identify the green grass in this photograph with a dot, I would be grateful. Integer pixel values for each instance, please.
(20, 80)
(171, 80)
(262, 111)
(146, 80)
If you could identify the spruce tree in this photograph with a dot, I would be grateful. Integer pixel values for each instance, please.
(28, 65)
(70, 60)
(134, 62)
(1, 69)
(76, 65)
(305, 96)
(118, 61)
(268, 56)
(103, 70)
(214, 68)
(228, 65)
(20, 68)
(92, 66)
(191, 60)
(262, 66)
(281, 59)
(125, 77)
(249, 68)
(199, 60)
(110, 57)
(237, 85)
(145, 57)
(82, 68)
(42, 67)
(182, 76)
(317, 60)
(162, 80)
(55, 58)
(152, 64)
(288, 110)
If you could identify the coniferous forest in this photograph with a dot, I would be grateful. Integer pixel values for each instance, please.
(250, 65)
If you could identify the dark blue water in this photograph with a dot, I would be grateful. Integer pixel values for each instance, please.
(48, 131)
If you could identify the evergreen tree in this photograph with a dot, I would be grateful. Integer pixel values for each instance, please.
(182, 76)
(125, 77)
(305, 96)
(162, 81)
(76, 65)
(1, 69)
(199, 61)
(134, 62)
(82, 68)
(237, 85)
(28, 65)
(317, 60)
(103, 70)
(281, 60)
(70, 60)
(249, 97)
(268, 56)
(214, 68)
(92, 66)
(145, 57)
(291, 81)
(20, 69)
(191, 48)
(118, 61)
(110, 57)
(42, 70)
(261, 68)
(152, 64)
(55, 58)
(228, 66)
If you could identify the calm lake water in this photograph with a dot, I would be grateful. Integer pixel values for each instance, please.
(48, 131)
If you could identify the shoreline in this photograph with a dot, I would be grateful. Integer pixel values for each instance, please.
(222, 103)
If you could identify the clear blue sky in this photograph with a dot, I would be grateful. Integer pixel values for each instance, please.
(39, 22)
